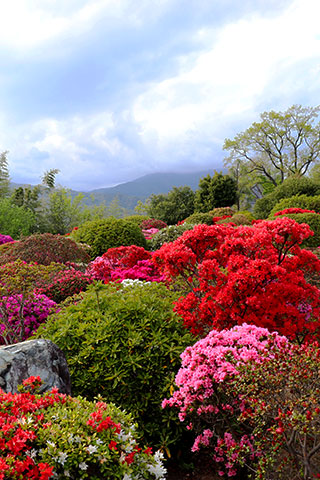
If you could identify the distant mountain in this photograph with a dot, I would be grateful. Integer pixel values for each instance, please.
(129, 193)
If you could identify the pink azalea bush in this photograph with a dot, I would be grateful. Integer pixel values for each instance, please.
(148, 233)
(20, 317)
(207, 367)
(5, 239)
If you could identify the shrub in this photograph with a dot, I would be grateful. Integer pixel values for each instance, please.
(57, 436)
(125, 343)
(152, 223)
(65, 283)
(5, 239)
(169, 234)
(263, 206)
(137, 219)
(253, 274)
(200, 218)
(44, 249)
(15, 221)
(203, 401)
(221, 211)
(108, 233)
(297, 201)
(237, 219)
(20, 317)
(313, 220)
(289, 211)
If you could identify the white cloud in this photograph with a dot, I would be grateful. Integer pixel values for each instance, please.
(227, 78)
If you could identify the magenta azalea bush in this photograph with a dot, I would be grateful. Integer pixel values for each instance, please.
(207, 367)
(20, 317)
(64, 284)
(5, 239)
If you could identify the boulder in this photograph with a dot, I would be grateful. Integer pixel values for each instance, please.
(34, 357)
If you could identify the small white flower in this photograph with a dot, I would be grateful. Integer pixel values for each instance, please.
(99, 441)
(70, 438)
(51, 444)
(83, 466)
(62, 457)
(91, 449)
(33, 453)
(66, 473)
(77, 439)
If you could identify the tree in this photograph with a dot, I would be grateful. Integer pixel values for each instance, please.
(4, 175)
(216, 191)
(177, 205)
(280, 145)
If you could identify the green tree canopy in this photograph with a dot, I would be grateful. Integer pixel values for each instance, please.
(280, 145)
(216, 191)
(173, 207)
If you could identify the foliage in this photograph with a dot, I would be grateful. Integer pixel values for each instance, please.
(124, 262)
(125, 343)
(5, 239)
(65, 283)
(108, 233)
(15, 221)
(313, 220)
(221, 211)
(281, 406)
(173, 207)
(4, 175)
(152, 223)
(280, 145)
(253, 274)
(169, 234)
(137, 219)
(292, 186)
(200, 218)
(216, 191)
(57, 436)
(207, 368)
(304, 202)
(44, 249)
(237, 219)
(20, 317)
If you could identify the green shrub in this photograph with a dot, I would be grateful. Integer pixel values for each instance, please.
(137, 219)
(108, 233)
(297, 201)
(168, 235)
(221, 211)
(15, 221)
(237, 218)
(45, 248)
(124, 342)
(313, 220)
(248, 214)
(200, 218)
(292, 186)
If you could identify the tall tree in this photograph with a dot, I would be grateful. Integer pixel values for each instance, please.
(177, 205)
(216, 191)
(280, 145)
(4, 175)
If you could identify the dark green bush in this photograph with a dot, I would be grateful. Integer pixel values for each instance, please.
(125, 344)
(136, 219)
(237, 218)
(108, 233)
(45, 248)
(297, 201)
(199, 218)
(313, 220)
(169, 234)
(292, 186)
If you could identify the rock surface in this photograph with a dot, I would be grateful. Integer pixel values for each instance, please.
(34, 357)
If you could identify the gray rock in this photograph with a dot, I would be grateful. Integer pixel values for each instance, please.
(34, 357)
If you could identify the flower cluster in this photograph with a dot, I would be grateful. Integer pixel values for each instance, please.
(253, 274)
(149, 232)
(65, 283)
(293, 210)
(207, 368)
(5, 239)
(20, 317)
(152, 223)
(55, 436)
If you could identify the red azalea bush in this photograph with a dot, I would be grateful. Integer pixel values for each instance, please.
(20, 317)
(290, 211)
(211, 413)
(124, 262)
(249, 274)
(64, 284)
(56, 436)
(152, 223)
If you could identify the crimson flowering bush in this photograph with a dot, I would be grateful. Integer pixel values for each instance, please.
(20, 317)
(56, 436)
(5, 239)
(152, 223)
(249, 274)
(124, 262)
(293, 210)
(65, 283)
(203, 401)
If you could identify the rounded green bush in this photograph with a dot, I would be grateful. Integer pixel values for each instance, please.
(237, 218)
(200, 218)
(124, 342)
(107, 233)
(221, 211)
(297, 201)
(168, 234)
(137, 219)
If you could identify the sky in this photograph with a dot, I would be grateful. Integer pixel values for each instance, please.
(107, 91)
